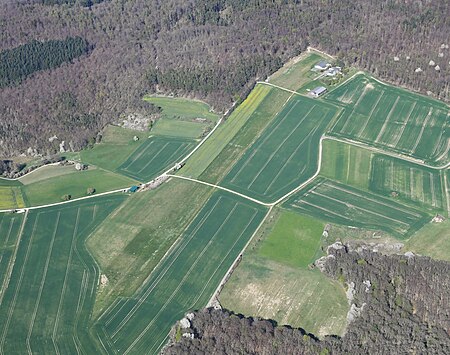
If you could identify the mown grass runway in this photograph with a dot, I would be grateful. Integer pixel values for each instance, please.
(286, 154)
(46, 304)
(185, 280)
(154, 156)
(394, 119)
(337, 203)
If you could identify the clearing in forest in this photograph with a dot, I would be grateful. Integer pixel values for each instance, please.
(181, 117)
(46, 305)
(184, 280)
(392, 118)
(286, 154)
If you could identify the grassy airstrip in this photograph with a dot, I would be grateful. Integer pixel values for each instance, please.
(286, 153)
(392, 118)
(46, 305)
(185, 279)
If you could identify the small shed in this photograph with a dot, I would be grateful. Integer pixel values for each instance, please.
(133, 188)
(318, 91)
(322, 65)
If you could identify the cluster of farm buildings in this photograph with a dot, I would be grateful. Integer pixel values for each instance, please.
(327, 70)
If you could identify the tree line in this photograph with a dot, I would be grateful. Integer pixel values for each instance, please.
(400, 306)
(214, 50)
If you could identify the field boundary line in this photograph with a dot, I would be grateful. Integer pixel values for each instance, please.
(221, 188)
(386, 152)
(18, 286)
(262, 142)
(233, 265)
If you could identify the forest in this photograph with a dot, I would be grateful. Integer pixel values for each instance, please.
(399, 304)
(214, 50)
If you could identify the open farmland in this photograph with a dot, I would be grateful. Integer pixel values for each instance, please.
(116, 146)
(45, 306)
(184, 280)
(392, 118)
(154, 156)
(206, 154)
(286, 153)
(10, 226)
(273, 279)
(132, 240)
(385, 175)
(258, 120)
(333, 202)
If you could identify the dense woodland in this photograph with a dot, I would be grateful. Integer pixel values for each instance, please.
(400, 304)
(210, 49)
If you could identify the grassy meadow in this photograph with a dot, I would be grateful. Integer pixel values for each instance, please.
(75, 184)
(273, 279)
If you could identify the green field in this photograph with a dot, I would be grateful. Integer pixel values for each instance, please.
(116, 146)
(384, 175)
(46, 305)
(341, 204)
(392, 118)
(206, 154)
(133, 239)
(180, 108)
(286, 153)
(294, 240)
(185, 279)
(273, 279)
(297, 72)
(154, 156)
(258, 120)
(11, 194)
(178, 128)
(432, 240)
(76, 184)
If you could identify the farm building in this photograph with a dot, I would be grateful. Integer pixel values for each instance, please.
(80, 166)
(318, 91)
(322, 65)
(133, 188)
(333, 71)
